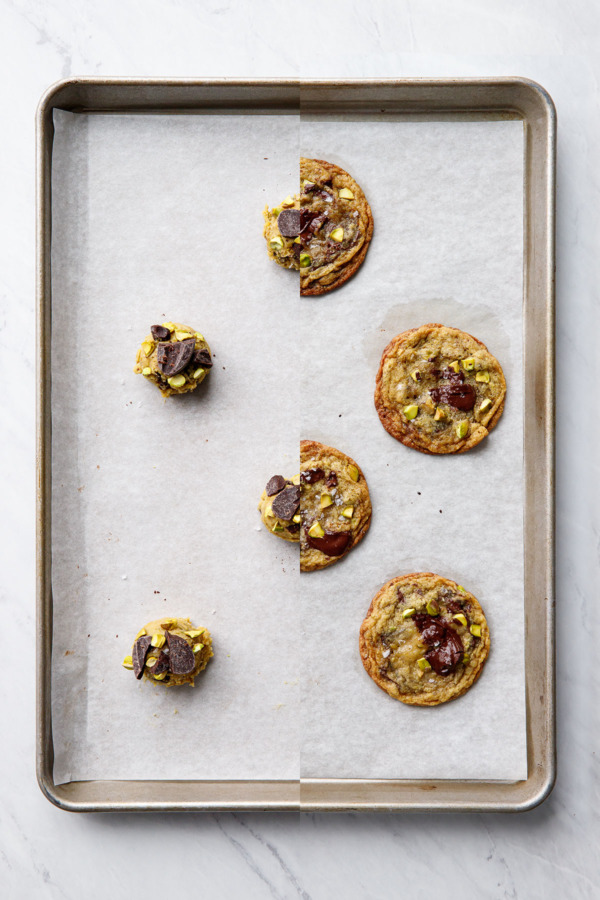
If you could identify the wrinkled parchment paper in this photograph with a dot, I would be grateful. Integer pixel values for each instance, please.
(154, 503)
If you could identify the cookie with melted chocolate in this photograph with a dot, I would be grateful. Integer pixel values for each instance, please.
(439, 389)
(335, 505)
(424, 640)
(324, 231)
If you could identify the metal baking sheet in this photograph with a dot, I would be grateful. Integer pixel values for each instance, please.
(421, 97)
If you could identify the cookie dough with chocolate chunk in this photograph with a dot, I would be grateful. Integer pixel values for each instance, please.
(279, 507)
(334, 504)
(438, 389)
(175, 357)
(324, 231)
(170, 651)
(424, 640)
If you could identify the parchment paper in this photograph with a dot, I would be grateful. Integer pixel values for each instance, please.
(447, 201)
(154, 503)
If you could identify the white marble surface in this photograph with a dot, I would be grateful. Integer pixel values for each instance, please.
(549, 852)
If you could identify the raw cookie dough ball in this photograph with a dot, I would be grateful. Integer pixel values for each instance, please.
(170, 651)
(424, 640)
(279, 507)
(324, 231)
(438, 389)
(335, 505)
(175, 357)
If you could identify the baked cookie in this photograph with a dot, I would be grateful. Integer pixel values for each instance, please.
(324, 231)
(279, 507)
(175, 357)
(424, 639)
(170, 651)
(334, 504)
(439, 389)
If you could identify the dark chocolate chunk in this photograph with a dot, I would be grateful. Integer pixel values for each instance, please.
(174, 357)
(445, 658)
(460, 396)
(162, 664)
(311, 222)
(181, 655)
(452, 605)
(331, 480)
(288, 222)
(139, 654)
(333, 543)
(202, 358)
(275, 484)
(446, 646)
(400, 595)
(312, 475)
(297, 249)
(451, 375)
(293, 528)
(286, 503)
(160, 333)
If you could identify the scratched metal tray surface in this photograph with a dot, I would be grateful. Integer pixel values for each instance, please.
(438, 98)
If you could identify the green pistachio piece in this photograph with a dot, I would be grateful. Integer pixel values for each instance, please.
(412, 411)
(345, 194)
(337, 234)
(485, 405)
(423, 664)
(276, 243)
(455, 366)
(315, 530)
(353, 473)
(475, 630)
(147, 371)
(461, 619)
(297, 519)
(275, 211)
(348, 512)
(277, 528)
(483, 376)
(408, 613)
(157, 640)
(148, 347)
(176, 381)
(289, 201)
(433, 608)
(416, 375)
(296, 479)
(197, 648)
(466, 658)
(198, 373)
(468, 364)
(462, 429)
(127, 663)
(326, 500)
(305, 260)
(160, 676)
(439, 415)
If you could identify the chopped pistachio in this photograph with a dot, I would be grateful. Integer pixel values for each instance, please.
(169, 325)
(433, 608)
(140, 633)
(197, 648)
(455, 366)
(353, 473)
(278, 528)
(296, 479)
(289, 201)
(151, 661)
(297, 519)
(407, 613)
(468, 364)
(196, 632)
(337, 234)
(485, 405)
(168, 623)
(160, 676)
(461, 619)
(461, 588)
(148, 347)
(176, 381)
(305, 260)
(183, 335)
(483, 376)
(147, 370)
(326, 500)
(275, 211)
(412, 411)
(475, 630)
(315, 530)
(416, 375)
(462, 429)
(345, 194)
(276, 243)
(127, 663)
(423, 664)
(348, 512)
(198, 373)
(157, 640)
(466, 658)
(198, 336)
(439, 414)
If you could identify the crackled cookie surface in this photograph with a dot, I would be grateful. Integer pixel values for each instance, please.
(279, 507)
(438, 389)
(175, 357)
(424, 640)
(334, 504)
(170, 651)
(324, 231)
